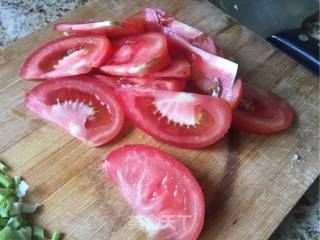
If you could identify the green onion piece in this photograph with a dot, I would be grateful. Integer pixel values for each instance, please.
(6, 181)
(12, 209)
(27, 232)
(5, 206)
(3, 167)
(38, 232)
(28, 207)
(15, 208)
(23, 233)
(3, 222)
(56, 235)
(21, 189)
(17, 180)
(6, 192)
(15, 222)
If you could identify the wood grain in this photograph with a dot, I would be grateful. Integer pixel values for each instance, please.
(250, 182)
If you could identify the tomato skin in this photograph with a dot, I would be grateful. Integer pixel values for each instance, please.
(157, 19)
(138, 55)
(41, 63)
(234, 97)
(65, 102)
(262, 112)
(127, 168)
(175, 85)
(212, 74)
(215, 113)
(129, 26)
(178, 68)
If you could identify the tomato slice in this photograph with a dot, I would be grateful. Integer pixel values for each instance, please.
(212, 74)
(138, 55)
(66, 56)
(110, 28)
(178, 118)
(262, 112)
(164, 195)
(232, 97)
(178, 68)
(156, 19)
(176, 85)
(83, 106)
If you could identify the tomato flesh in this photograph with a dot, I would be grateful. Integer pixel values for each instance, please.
(175, 85)
(66, 56)
(210, 73)
(262, 112)
(178, 68)
(83, 106)
(138, 55)
(157, 186)
(157, 19)
(110, 28)
(182, 119)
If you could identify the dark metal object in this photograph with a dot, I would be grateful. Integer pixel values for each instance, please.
(311, 25)
(301, 44)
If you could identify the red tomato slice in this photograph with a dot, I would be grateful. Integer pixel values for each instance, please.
(211, 73)
(66, 56)
(178, 68)
(232, 97)
(156, 19)
(110, 28)
(182, 119)
(164, 195)
(138, 55)
(153, 83)
(262, 112)
(83, 106)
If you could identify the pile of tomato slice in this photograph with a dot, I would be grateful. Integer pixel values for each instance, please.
(167, 77)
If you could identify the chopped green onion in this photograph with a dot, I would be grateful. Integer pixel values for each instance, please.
(15, 208)
(6, 181)
(3, 222)
(17, 180)
(28, 207)
(6, 192)
(7, 233)
(3, 167)
(38, 233)
(15, 222)
(5, 206)
(12, 209)
(27, 232)
(56, 235)
(21, 189)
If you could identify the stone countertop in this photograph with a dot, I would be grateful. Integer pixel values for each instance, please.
(21, 17)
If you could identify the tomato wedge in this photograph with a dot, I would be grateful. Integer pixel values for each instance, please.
(178, 68)
(262, 112)
(110, 28)
(178, 118)
(164, 195)
(210, 73)
(156, 19)
(165, 84)
(66, 56)
(83, 106)
(138, 55)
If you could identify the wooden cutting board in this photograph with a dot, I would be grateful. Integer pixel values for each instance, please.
(250, 182)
